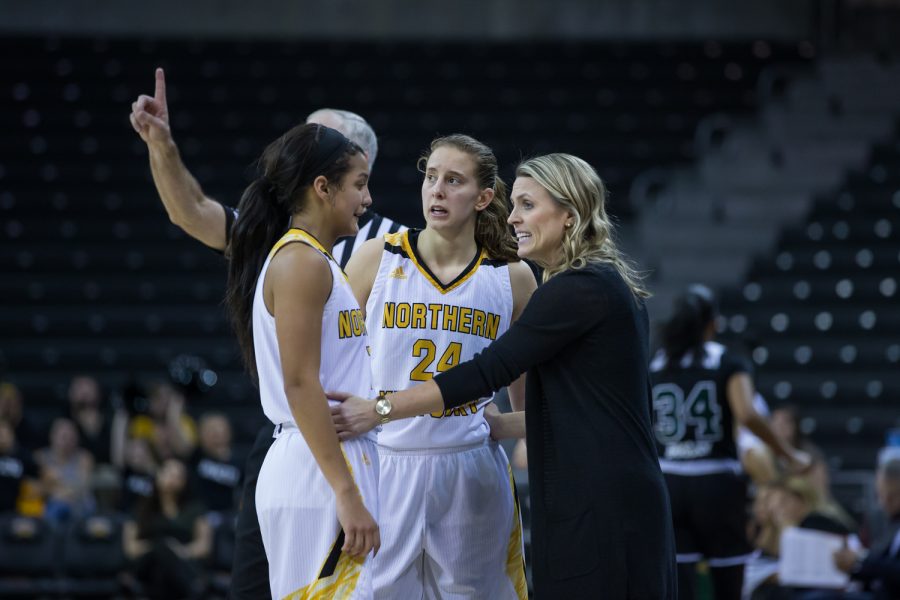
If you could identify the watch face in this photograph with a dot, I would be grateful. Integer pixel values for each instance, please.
(383, 407)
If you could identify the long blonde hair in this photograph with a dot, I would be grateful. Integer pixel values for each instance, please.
(575, 185)
(491, 230)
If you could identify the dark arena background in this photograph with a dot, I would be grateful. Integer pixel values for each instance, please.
(753, 147)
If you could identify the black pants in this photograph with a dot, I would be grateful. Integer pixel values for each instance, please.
(168, 576)
(250, 571)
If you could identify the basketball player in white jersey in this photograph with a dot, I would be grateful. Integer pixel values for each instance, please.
(434, 298)
(210, 222)
(301, 331)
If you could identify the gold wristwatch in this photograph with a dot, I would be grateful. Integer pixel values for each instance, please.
(383, 408)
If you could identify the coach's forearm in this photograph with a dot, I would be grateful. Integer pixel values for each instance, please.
(418, 400)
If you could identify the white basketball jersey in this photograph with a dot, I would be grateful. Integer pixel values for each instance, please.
(344, 362)
(419, 327)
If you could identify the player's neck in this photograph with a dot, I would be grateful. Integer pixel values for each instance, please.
(316, 229)
(442, 248)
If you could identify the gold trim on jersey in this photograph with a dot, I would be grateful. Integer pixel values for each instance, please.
(411, 254)
(394, 239)
(295, 234)
(337, 578)
(339, 584)
(515, 558)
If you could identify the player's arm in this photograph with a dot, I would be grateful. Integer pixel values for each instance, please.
(523, 284)
(188, 207)
(133, 546)
(200, 546)
(505, 425)
(296, 289)
(363, 268)
(512, 424)
(740, 399)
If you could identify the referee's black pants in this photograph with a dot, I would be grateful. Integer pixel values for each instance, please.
(250, 570)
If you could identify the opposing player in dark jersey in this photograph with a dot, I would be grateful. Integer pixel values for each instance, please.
(701, 392)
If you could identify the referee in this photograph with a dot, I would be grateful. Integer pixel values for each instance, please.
(209, 221)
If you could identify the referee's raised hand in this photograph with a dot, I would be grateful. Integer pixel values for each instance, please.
(150, 114)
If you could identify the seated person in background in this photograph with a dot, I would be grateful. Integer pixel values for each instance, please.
(765, 534)
(786, 425)
(217, 473)
(95, 426)
(819, 477)
(171, 538)
(139, 469)
(170, 432)
(879, 570)
(789, 502)
(16, 466)
(797, 503)
(66, 471)
(27, 433)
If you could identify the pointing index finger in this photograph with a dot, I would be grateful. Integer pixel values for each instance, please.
(160, 94)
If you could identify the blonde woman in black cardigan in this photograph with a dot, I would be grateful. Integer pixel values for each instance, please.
(601, 523)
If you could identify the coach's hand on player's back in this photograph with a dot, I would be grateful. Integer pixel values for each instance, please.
(361, 533)
(354, 416)
(150, 115)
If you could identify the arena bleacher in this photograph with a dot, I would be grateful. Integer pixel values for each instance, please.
(94, 279)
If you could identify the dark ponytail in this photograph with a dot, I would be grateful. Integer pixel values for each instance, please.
(287, 168)
(491, 229)
(684, 332)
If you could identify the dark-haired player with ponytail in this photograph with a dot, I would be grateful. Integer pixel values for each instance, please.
(701, 392)
(210, 222)
(301, 332)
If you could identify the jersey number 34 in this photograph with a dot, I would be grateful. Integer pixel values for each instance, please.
(674, 412)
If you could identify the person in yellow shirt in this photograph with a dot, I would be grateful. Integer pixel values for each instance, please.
(170, 431)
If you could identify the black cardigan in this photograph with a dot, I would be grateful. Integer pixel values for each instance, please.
(601, 521)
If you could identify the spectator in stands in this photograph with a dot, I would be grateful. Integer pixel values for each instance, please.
(170, 431)
(792, 502)
(761, 570)
(139, 469)
(701, 392)
(879, 570)
(786, 425)
(28, 434)
(66, 470)
(216, 471)
(170, 538)
(797, 503)
(16, 466)
(819, 477)
(94, 424)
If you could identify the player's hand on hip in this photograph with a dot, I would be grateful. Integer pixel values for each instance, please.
(361, 533)
(354, 416)
(150, 114)
(492, 418)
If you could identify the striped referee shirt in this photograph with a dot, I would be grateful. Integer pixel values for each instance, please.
(371, 225)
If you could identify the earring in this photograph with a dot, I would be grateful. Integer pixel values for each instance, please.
(568, 225)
